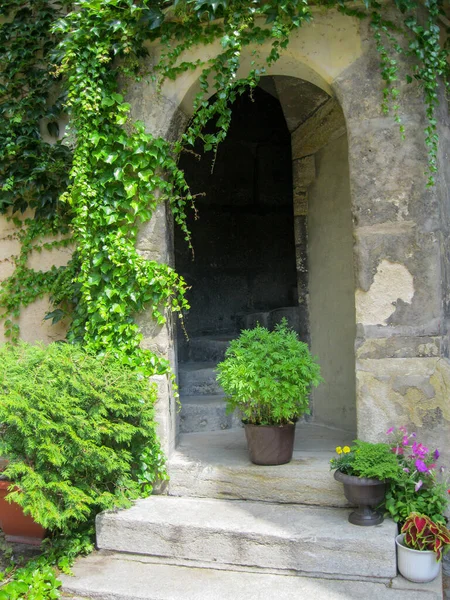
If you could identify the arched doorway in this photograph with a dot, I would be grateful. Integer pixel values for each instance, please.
(273, 239)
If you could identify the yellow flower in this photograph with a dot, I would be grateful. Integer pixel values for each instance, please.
(345, 449)
(339, 450)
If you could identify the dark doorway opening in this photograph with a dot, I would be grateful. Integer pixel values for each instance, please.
(244, 269)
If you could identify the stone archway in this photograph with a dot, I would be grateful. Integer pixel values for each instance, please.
(402, 368)
(244, 270)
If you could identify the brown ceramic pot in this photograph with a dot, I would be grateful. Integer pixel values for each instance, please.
(16, 526)
(270, 445)
(365, 493)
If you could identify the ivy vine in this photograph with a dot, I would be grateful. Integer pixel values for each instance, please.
(98, 184)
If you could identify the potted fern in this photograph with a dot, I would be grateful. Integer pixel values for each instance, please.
(364, 469)
(267, 376)
(420, 547)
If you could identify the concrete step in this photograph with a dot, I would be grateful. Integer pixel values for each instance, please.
(308, 540)
(111, 576)
(209, 348)
(206, 413)
(270, 318)
(198, 378)
(216, 465)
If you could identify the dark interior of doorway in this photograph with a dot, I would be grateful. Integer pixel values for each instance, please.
(244, 268)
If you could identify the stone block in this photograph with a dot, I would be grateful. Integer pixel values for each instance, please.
(303, 172)
(405, 391)
(300, 203)
(250, 534)
(410, 261)
(217, 466)
(198, 378)
(113, 576)
(206, 413)
(324, 125)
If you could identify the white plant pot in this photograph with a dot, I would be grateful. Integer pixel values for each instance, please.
(419, 566)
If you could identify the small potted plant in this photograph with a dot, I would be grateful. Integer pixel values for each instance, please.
(364, 470)
(267, 376)
(420, 547)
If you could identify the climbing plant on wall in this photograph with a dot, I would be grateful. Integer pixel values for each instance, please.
(99, 184)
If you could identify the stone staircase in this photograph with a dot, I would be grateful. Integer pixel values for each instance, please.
(231, 530)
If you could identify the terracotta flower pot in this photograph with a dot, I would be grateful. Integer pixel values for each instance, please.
(270, 445)
(419, 566)
(16, 526)
(365, 493)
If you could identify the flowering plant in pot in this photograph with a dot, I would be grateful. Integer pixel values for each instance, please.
(420, 547)
(364, 469)
(267, 376)
(419, 486)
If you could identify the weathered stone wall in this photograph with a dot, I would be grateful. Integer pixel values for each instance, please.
(400, 228)
(400, 233)
(33, 328)
(331, 286)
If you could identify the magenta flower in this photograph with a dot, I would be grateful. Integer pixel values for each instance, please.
(436, 454)
(405, 440)
(390, 430)
(419, 450)
(421, 466)
(403, 428)
(418, 485)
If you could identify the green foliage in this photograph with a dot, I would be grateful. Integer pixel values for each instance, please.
(268, 375)
(402, 498)
(33, 172)
(78, 430)
(375, 461)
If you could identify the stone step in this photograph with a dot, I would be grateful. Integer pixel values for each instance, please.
(198, 378)
(209, 348)
(309, 540)
(270, 318)
(111, 576)
(216, 465)
(206, 413)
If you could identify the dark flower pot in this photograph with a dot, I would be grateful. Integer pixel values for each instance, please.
(270, 444)
(16, 526)
(365, 493)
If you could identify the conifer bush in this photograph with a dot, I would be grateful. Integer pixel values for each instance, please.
(78, 430)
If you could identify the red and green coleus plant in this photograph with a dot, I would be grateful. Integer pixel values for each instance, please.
(422, 533)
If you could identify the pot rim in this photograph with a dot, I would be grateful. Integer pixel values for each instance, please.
(286, 425)
(354, 480)
(399, 542)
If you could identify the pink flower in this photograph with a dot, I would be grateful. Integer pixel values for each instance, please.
(398, 450)
(405, 440)
(421, 466)
(419, 450)
(418, 485)
(406, 470)
(403, 428)
(390, 430)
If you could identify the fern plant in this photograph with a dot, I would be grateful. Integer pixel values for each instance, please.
(78, 431)
(268, 375)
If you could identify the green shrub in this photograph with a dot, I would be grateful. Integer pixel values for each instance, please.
(268, 375)
(78, 430)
